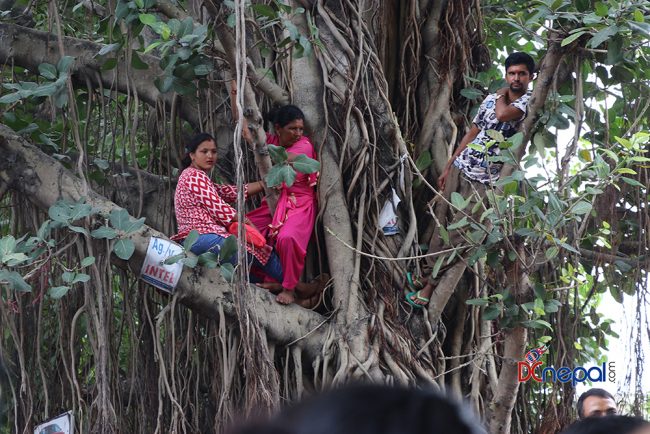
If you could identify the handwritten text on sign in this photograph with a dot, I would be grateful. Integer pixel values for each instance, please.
(154, 271)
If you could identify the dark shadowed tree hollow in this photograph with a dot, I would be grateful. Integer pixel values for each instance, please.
(98, 99)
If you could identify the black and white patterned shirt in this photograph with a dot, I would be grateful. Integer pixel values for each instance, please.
(474, 164)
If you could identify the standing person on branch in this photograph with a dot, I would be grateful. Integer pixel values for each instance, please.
(502, 111)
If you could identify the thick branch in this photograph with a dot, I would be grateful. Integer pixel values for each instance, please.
(29, 48)
(44, 181)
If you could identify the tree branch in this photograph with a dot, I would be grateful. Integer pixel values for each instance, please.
(29, 48)
(44, 181)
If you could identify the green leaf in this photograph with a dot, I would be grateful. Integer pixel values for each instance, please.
(495, 135)
(134, 225)
(304, 164)
(137, 63)
(566, 41)
(104, 232)
(148, 19)
(183, 87)
(59, 212)
(477, 302)
(48, 71)
(124, 249)
(537, 324)
(424, 161)
(14, 259)
(190, 261)
(78, 229)
(191, 238)
(624, 267)
(109, 64)
(278, 154)
(625, 170)
(581, 207)
(602, 36)
(552, 252)
(436, 267)
(63, 65)
(10, 98)
(471, 93)
(139, 3)
(459, 224)
(633, 182)
(14, 280)
(119, 219)
(227, 271)
(79, 211)
(80, 277)
(539, 306)
(67, 276)
(279, 174)
(109, 48)
(45, 90)
(85, 262)
(7, 245)
(152, 46)
(57, 292)
(208, 260)
(174, 259)
(491, 312)
(228, 249)
(601, 9)
(264, 10)
(444, 235)
(202, 69)
(643, 28)
(457, 200)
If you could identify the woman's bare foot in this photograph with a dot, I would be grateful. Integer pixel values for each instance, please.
(285, 297)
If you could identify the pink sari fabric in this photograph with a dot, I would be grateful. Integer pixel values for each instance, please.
(292, 224)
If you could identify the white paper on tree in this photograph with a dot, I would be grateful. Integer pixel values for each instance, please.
(154, 270)
(388, 221)
(62, 424)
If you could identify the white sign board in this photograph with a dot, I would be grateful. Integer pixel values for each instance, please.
(62, 424)
(154, 271)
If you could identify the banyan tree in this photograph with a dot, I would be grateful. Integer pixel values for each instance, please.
(98, 98)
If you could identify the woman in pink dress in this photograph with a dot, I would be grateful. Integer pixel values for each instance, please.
(291, 225)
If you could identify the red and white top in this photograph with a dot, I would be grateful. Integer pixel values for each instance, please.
(201, 205)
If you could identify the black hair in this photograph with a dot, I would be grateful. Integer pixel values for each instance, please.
(602, 393)
(372, 409)
(285, 114)
(519, 58)
(606, 425)
(193, 144)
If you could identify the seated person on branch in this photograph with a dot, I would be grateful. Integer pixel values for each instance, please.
(469, 171)
(203, 205)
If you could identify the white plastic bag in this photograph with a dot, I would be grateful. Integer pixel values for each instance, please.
(388, 221)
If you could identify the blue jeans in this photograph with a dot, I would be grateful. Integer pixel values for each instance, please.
(213, 242)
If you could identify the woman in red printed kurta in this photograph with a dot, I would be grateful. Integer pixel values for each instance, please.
(201, 205)
(292, 224)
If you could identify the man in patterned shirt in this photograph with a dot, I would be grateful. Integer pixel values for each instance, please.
(502, 111)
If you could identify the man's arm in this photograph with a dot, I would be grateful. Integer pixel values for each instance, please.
(503, 109)
(466, 140)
